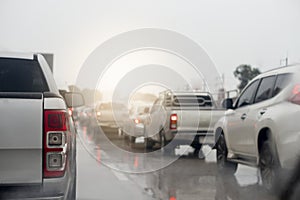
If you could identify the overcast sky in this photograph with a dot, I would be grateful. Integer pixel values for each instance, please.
(233, 32)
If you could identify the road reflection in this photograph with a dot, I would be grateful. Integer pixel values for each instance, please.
(186, 178)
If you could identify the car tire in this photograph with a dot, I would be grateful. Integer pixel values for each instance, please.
(269, 165)
(149, 144)
(197, 147)
(166, 148)
(131, 139)
(224, 165)
(162, 138)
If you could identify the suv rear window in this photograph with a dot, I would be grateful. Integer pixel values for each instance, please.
(21, 75)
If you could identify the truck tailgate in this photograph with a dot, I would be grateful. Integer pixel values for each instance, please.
(197, 120)
(21, 130)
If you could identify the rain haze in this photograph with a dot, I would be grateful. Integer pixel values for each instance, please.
(142, 108)
(259, 33)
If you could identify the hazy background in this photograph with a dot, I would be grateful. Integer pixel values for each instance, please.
(233, 32)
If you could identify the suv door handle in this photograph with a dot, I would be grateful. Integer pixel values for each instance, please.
(263, 111)
(243, 116)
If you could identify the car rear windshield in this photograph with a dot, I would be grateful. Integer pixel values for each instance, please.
(21, 75)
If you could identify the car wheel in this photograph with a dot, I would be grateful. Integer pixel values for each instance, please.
(268, 164)
(197, 148)
(168, 150)
(131, 139)
(223, 164)
(149, 143)
(162, 138)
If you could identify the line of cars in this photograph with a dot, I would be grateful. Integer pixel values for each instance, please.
(259, 129)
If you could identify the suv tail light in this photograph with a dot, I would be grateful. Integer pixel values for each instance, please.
(56, 130)
(173, 121)
(295, 98)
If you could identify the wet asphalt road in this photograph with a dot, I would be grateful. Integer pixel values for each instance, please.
(111, 168)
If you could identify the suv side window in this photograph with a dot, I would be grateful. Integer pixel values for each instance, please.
(246, 97)
(265, 89)
(281, 82)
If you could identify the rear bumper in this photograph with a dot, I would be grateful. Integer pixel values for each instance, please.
(201, 137)
(55, 188)
(30, 193)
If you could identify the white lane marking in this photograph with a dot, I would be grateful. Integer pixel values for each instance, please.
(246, 175)
(139, 140)
(210, 154)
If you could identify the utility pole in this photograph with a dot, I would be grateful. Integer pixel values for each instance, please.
(285, 62)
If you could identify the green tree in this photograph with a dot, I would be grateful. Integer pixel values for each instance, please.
(244, 73)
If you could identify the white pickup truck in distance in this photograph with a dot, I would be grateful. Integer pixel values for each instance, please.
(37, 135)
(178, 118)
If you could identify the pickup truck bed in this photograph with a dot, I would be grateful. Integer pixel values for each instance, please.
(37, 136)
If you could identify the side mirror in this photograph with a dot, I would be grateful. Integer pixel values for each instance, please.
(227, 103)
(73, 99)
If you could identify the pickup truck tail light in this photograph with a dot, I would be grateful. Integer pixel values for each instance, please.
(98, 114)
(56, 129)
(295, 97)
(173, 121)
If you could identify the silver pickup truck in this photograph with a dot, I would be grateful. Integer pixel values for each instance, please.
(37, 135)
(178, 118)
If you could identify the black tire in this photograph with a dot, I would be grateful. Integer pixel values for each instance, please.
(224, 165)
(149, 144)
(162, 139)
(131, 139)
(197, 146)
(167, 150)
(269, 165)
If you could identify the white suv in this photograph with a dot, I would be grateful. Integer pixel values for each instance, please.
(261, 128)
